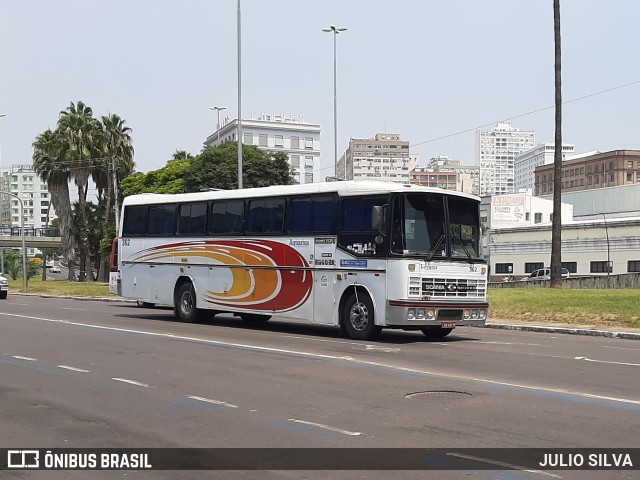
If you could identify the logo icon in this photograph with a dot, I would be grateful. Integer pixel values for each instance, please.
(23, 458)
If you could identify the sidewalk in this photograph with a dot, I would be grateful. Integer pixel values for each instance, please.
(588, 330)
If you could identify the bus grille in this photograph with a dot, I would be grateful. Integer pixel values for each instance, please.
(454, 288)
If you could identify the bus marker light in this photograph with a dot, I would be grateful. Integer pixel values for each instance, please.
(412, 267)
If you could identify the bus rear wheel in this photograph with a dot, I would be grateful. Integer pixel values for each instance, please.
(437, 332)
(185, 304)
(358, 319)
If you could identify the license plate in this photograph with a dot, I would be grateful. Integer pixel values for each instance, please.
(448, 324)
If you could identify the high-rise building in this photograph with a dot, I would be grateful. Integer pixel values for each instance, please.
(526, 162)
(384, 157)
(23, 181)
(277, 133)
(496, 150)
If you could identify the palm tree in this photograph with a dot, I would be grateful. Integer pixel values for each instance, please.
(49, 164)
(80, 132)
(117, 164)
(556, 225)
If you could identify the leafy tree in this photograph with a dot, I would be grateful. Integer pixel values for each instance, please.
(168, 179)
(12, 262)
(217, 167)
(33, 269)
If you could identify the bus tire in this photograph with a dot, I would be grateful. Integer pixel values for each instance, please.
(185, 304)
(358, 317)
(254, 318)
(436, 332)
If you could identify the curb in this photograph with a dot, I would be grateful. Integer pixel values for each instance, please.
(566, 330)
(72, 297)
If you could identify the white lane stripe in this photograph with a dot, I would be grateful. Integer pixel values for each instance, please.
(209, 400)
(515, 343)
(67, 367)
(132, 382)
(326, 427)
(605, 361)
(76, 309)
(621, 348)
(21, 304)
(24, 358)
(501, 464)
(336, 357)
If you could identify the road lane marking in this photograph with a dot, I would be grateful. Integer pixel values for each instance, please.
(132, 382)
(76, 309)
(326, 427)
(463, 378)
(378, 348)
(74, 369)
(501, 464)
(621, 348)
(515, 343)
(24, 358)
(605, 361)
(21, 304)
(209, 400)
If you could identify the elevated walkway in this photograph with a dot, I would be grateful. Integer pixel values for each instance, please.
(11, 237)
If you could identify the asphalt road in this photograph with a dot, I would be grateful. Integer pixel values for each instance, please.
(102, 374)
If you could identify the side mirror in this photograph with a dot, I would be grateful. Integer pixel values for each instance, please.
(379, 218)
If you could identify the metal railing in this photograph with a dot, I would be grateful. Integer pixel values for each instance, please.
(8, 230)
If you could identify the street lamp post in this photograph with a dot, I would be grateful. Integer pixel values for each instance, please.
(24, 248)
(239, 100)
(216, 108)
(336, 31)
(1, 185)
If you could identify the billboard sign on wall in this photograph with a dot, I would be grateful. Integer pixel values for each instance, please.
(508, 211)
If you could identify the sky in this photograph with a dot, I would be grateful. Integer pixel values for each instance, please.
(427, 70)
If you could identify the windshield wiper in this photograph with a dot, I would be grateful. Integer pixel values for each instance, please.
(435, 247)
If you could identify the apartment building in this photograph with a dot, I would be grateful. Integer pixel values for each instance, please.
(384, 157)
(607, 169)
(526, 162)
(496, 150)
(467, 176)
(278, 132)
(23, 181)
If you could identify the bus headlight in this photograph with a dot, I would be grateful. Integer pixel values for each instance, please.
(467, 314)
(474, 313)
(420, 313)
(431, 314)
(482, 314)
(411, 314)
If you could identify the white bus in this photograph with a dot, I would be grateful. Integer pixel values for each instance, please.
(358, 255)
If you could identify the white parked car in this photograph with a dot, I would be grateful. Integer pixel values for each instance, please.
(543, 274)
(4, 287)
(55, 269)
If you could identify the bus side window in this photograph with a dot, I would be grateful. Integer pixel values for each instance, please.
(135, 221)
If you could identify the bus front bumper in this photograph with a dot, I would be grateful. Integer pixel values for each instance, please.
(416, 314)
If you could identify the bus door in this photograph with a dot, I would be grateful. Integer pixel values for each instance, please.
(324, 280)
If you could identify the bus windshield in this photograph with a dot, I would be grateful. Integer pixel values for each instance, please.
(419, 226)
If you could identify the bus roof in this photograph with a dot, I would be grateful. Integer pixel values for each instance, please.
(346, 188)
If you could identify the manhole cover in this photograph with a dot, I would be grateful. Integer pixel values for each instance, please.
(438, 395)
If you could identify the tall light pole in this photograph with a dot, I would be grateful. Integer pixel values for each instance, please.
(336, 31)
(218, 110)
(1, 207)
(239, 101)
(24, 247)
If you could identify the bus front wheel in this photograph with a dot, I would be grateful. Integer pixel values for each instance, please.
(185, 304)
(358, 318)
